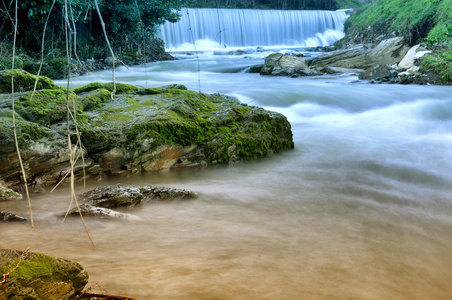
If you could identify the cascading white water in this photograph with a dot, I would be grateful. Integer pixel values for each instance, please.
(252, 28)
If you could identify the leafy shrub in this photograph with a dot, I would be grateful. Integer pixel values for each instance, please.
(441, 63)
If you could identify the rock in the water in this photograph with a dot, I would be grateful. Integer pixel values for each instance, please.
(153, 193)
(9, 217)
(112, 196)
(119, 195)
(377, 72)
(387, 52)
(39, 276)
(7, 194)
(285, 65)
(89, 210)
(141, 130)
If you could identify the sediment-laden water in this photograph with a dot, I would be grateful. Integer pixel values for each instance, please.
(360, 209)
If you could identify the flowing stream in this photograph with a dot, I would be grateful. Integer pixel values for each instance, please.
(360, 209)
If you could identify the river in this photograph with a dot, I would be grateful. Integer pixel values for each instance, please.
(360, 209)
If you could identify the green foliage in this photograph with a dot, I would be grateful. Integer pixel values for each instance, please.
(55, 68)
(441, 63)
(410, 18)
(427, 21)
(129, 24)
(6, 63)
(132, 22)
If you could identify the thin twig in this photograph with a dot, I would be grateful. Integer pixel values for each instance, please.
(42, 49)
(109, 47)
(196, 51)
(21, 257)
(72, 116)
(14, 120)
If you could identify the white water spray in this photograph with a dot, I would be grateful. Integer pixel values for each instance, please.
(232, 28)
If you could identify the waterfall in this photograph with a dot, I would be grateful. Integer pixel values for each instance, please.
(214, 28)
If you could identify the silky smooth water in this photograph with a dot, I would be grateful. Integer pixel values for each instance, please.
(219, 28)
(360, 209)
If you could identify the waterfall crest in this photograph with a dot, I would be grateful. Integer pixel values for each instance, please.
(211, 27)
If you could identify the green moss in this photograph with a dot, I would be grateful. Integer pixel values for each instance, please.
(89, 87)
(39, 266)
(47, 107)
(26, 131)
(121, 88)
(184, 118)
(95, 98)
(23, 81)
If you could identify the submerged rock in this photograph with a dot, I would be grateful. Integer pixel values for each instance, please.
(39, 276)
(90, 210)
(141, 130)
(119, 195)
(9, 217)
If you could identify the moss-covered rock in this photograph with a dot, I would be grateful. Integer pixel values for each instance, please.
(141, 130)
(7, 194)
(23, 81)
(39, 276)
(46, 107)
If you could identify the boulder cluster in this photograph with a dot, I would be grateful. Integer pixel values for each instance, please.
(391, 61)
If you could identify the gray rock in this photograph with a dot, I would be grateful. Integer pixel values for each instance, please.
(377, 72)
(9, 217)
(7, 194)
(109, 61)
(89, 210)
(387, 52)
(285, 65)
(112, 196)
(47, 277)
(119, 195)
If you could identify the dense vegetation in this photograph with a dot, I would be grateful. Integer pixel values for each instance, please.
(426, 21)
(129, 25)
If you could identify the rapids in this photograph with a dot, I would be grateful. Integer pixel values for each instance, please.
(360, 209)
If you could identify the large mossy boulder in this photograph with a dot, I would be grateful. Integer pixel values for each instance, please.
(39, 276)
(23, 81)
(140, 130)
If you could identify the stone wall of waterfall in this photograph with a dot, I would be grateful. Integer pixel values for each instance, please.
(214, 28)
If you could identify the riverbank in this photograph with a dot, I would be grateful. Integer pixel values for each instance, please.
(55, 66)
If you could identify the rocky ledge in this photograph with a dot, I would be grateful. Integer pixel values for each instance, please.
(36, 276)
(28, 275)
(391, 61)
(140, 130)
